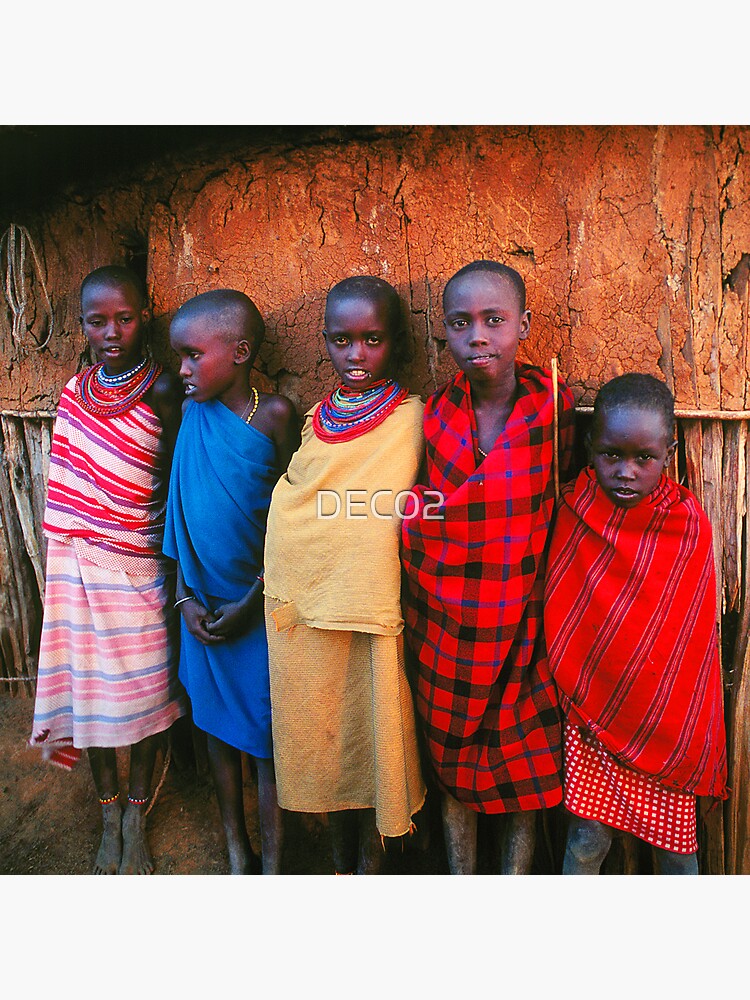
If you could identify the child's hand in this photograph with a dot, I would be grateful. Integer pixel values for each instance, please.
(231, 619)
(198, 619)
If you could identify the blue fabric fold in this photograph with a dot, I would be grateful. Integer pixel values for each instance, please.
(223, 474)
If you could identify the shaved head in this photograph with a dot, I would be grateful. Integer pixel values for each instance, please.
(231, 313)
(364, 286)
(508, 274)
(638, 391)
(115, 276)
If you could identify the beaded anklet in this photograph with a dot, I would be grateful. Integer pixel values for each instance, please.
(137, 802)
(109, 801)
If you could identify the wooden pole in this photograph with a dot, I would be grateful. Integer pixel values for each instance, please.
(555, 427)
(693, 414)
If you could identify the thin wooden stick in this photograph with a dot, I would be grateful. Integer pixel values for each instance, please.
(693, 414)
(555, 422)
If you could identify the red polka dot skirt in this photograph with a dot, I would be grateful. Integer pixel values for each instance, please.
(598, 787)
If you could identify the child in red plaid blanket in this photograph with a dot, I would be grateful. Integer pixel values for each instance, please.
(475, 576)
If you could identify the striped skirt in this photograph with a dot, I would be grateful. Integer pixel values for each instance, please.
(107, 662)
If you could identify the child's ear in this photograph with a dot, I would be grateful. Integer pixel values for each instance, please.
(670, 454)
(525, 325)
(241, 352)
(146, 315)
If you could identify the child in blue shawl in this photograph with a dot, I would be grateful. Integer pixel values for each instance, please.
(233, 445)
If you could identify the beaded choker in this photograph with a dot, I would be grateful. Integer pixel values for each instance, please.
(110, 395)
(348, 413)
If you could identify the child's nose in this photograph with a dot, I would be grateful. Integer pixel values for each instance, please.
(184, 368)
(626, 470)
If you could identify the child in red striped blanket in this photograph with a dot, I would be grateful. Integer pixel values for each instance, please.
(630, 621)
(107, 673)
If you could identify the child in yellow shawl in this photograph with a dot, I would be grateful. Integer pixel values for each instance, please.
(343, 717)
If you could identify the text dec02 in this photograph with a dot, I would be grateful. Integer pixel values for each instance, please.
(355, 505)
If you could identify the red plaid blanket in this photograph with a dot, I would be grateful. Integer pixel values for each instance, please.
(474, 598)
(630, 623)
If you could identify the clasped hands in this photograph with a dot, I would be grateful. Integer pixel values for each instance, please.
(227, 622)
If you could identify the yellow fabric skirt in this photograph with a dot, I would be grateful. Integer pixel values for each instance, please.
(343, 723)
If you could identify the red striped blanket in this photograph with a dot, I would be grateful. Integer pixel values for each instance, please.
(630, 623)
(473, 611)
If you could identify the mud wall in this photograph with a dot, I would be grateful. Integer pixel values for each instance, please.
(634, 243)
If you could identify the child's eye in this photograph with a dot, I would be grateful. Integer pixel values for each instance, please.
(373, 340)
(494, 320)
(458, 324)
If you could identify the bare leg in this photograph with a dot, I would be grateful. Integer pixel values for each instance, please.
(519, 841)
(343, 828)
(669, 863)
(371, 851)
(271, 827)
(226, 770)
(587, 846)
(460, 830)
(136, 857)
(103, 761)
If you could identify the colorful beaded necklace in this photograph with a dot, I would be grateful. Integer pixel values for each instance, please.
(348, 413)
(110, 395)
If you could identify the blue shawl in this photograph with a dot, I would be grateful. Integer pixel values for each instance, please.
(223, 473)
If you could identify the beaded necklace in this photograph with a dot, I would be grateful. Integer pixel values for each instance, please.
(348, 413)
(253, 401)
(110, 395)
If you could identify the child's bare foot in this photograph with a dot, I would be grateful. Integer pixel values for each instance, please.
(136, 858)
(110, 850)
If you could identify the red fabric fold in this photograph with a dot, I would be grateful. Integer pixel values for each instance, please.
(630, 622)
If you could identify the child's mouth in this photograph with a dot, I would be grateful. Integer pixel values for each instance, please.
(357, 374)
(479, 360)
(190, 389)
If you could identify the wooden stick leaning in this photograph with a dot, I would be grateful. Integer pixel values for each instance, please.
(682, 414)
(555, 426)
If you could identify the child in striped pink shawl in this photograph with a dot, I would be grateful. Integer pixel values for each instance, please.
(107, 668)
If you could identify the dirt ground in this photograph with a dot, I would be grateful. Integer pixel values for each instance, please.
(49, 818)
